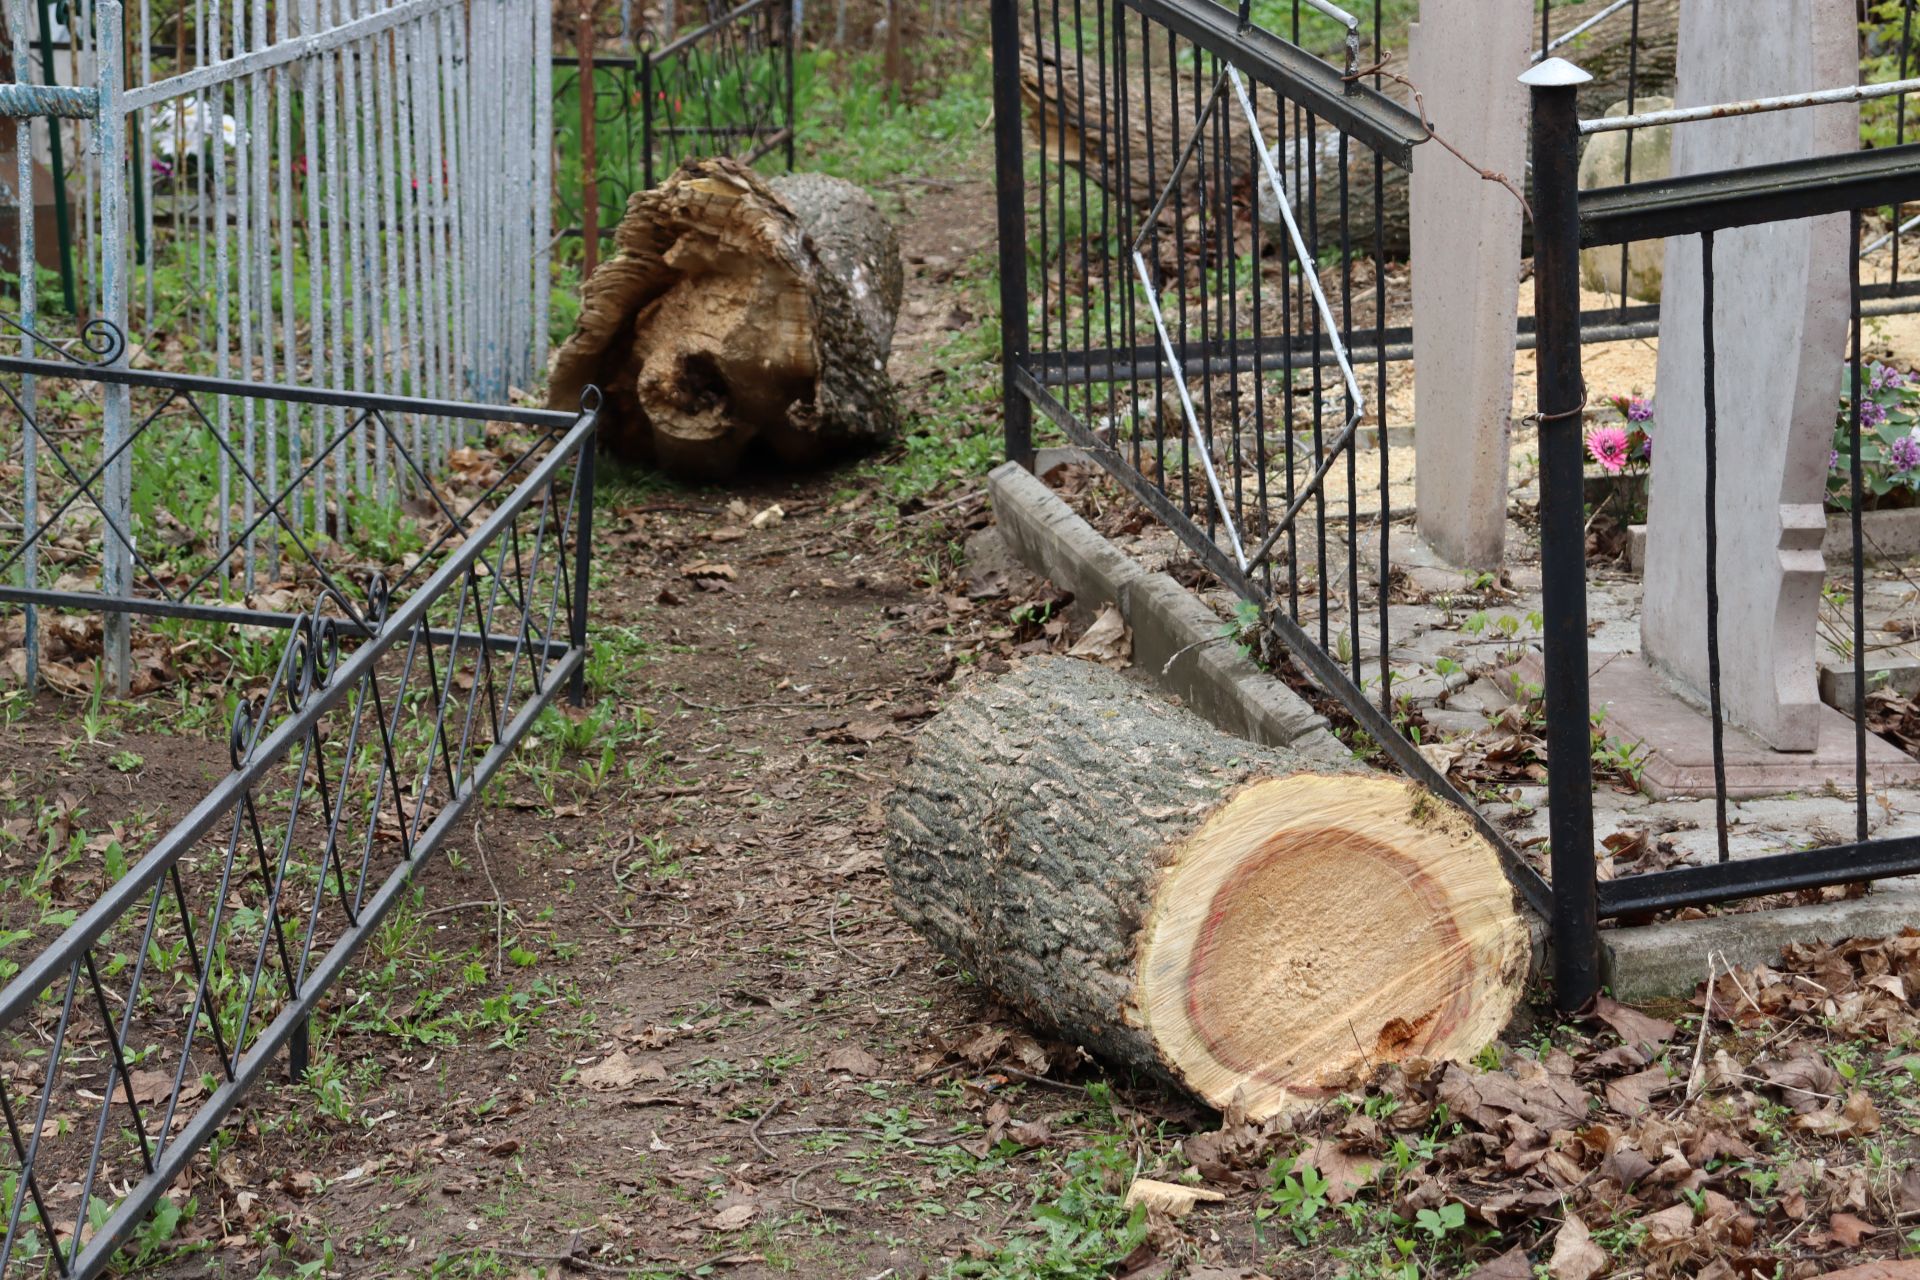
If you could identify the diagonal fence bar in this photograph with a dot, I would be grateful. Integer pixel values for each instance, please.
(382, 721)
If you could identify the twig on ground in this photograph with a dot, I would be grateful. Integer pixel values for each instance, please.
(563, 1259)
(965, 499)
(1700, 1042)
(766, 1115)
(640, 924)
(652, 508)
(499, 905)
(833, 936)
(845, 698)
(458, 906)
(1185, 649)
(793, 1191)
(1031, 1078)
(1741, 987)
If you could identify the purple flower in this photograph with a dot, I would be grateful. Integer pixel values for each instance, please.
(1608, 446)
(1872, 413)
(1886, 377)
(1639, 409)
(1833, 459)
(1905, 454)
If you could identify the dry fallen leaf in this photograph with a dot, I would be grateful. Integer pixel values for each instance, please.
(621, 1070)
(1172, 1199)
(1632, 1026)
(710, 569)
(855, 1061)
(1885, 1269)
(1108, 641)
(734, 1217)
(1575, 1255)
(1511, 1265)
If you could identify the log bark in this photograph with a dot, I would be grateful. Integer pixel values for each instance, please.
(739, 311)
(1233, 920)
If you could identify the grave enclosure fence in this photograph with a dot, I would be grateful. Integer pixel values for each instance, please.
(720, 82)
(1144, 150)
(392, 677)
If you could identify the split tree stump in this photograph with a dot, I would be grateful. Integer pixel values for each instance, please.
(739, 310)
(1232, 919)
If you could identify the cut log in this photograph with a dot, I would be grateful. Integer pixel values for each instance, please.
(739, 310)
(1244, 923)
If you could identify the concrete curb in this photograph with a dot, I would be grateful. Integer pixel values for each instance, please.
(1671, 959)
(1177, 641)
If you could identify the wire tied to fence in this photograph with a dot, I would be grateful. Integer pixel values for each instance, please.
(1379, 69)
(1539, 416)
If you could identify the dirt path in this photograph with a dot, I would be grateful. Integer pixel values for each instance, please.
(712, 1043)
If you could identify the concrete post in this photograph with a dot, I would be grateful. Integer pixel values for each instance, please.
(1466, 56)
(1781, 313)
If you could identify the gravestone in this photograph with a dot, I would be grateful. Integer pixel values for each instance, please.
(1781, 320)
(1465, 236)
(1609, 160)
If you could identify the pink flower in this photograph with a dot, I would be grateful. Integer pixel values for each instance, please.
(1608, 446)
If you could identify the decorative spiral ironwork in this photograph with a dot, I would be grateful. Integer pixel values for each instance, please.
(100, 338)
(246, 713)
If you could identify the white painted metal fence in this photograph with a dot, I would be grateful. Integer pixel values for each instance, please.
(351, 194)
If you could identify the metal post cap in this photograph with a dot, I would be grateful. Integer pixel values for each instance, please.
(1554, 73)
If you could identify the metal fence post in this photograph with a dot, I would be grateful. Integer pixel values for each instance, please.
(110, 147)
(589, 150)
(646, 117)
(1563, 539)
(794, 22)
(1010, 187)
(582, 560)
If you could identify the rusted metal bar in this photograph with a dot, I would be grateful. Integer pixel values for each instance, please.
(1751, 106)
(589, 152)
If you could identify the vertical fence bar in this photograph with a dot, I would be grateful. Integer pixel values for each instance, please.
(1010, 187)
(589, 158)
(789, 41)
(110, 137)
(1855, 500)
(56, 155)
(1563, 551)
(582, 564)
(543, 181)
(29, 299)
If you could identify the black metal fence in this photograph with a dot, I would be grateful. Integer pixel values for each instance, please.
(1147, 150)
(1633, 55)
(1700, 205)
(723, 86)
(405, 678)
(1224, 390)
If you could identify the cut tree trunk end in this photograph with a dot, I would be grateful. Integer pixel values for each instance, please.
(1246, 924)
(739, 310)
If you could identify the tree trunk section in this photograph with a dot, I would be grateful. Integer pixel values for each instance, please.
(737, 311)
(1224, 917)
